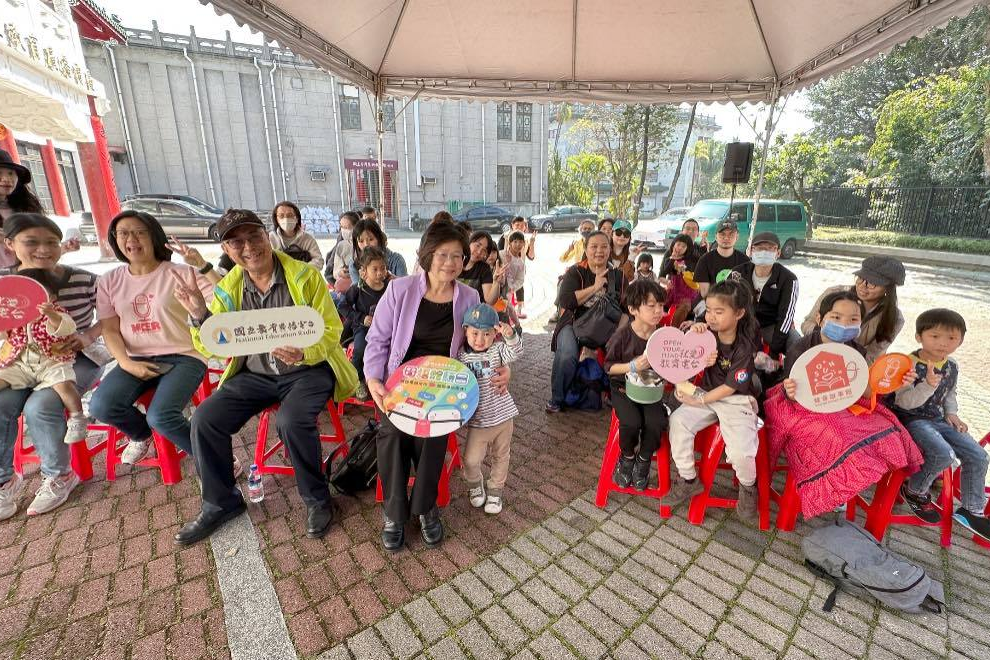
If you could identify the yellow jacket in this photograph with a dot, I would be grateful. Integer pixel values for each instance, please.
(306, 287)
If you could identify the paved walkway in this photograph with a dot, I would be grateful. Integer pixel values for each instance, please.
(551, 577)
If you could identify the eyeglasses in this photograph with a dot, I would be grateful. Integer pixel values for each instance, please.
(623, 233)
(868, 285)
(445, 257)
(255, 239)
(124, 234)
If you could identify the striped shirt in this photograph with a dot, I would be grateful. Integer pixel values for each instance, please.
(76, 294)
(493, 408)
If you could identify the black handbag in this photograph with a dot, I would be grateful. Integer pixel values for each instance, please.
(598, 323)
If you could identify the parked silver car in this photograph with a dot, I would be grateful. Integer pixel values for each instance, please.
(561, 217)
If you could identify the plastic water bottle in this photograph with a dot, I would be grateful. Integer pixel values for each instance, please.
(256, 489)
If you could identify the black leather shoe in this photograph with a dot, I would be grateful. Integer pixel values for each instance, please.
(432, 528)
(318, 519)
(393, 535)
(205, 524)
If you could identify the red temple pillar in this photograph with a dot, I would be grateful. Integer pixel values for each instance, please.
(56, 184)
(8, 144)
(98, 171)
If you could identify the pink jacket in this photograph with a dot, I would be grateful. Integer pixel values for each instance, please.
(837, 455)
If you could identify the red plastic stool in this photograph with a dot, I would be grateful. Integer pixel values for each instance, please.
(451, 461)
(80, 453)
(262, 453)
(351, 401)
(711, 444)
(167, 456)
(957, 488)
(879, 510)
(611, 456)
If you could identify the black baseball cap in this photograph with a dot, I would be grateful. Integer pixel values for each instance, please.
(726, 225)
(234, 218)
(766, 237)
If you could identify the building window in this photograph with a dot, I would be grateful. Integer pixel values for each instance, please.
(68, 168)
(30, 155)
(388, 112)
(503, 184)
(524, 184)
(524, 122)
(505, 121)
(350, 108)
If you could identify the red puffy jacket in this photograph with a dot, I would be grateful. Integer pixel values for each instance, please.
(834, 456)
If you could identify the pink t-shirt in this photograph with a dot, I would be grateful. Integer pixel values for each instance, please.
(152, 322)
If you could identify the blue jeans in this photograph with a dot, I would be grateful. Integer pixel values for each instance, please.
(113, 401)
(938, 441)
(360, 342)
(45, 418)
(565, 364)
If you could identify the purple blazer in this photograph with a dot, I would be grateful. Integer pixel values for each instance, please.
(392, 326)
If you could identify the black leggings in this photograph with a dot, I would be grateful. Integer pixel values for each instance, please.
(638, 424)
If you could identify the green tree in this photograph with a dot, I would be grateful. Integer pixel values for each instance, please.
(615, 132)
(846, 105)
(802, 162)
(932, 133)
(575, 181)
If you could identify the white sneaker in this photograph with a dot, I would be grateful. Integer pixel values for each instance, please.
(9, 494)
(53, 493)
(77, 428)
(494, 504)
(135, 451)
(477, 495)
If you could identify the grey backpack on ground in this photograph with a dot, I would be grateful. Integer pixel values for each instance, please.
(849, 556)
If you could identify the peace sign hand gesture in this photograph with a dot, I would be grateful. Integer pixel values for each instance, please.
(189, 295)
(190, 255)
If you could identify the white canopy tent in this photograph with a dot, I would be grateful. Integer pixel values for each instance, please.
(612, 51)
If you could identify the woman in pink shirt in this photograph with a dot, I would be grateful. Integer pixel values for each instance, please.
(146, 331)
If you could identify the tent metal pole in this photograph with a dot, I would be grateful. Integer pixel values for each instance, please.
(380, 129)
(775, 96)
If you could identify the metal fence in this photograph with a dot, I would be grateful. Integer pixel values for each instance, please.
(959, 211)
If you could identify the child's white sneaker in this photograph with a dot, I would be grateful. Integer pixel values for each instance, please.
(477, 495)
(77, 428)
(494, 504)
(135, 451)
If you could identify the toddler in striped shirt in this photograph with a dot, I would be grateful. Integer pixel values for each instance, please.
(490, 429)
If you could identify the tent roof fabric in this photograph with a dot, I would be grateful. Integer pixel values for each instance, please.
(616, 51)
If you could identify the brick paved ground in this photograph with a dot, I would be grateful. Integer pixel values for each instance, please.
(551, 577)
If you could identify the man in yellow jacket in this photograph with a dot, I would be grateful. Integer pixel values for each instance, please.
(300, 380)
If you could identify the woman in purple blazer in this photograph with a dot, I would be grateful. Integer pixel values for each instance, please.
(418, 315)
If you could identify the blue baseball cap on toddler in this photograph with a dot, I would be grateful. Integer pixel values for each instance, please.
(481, 317)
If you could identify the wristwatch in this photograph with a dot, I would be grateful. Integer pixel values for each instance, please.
(206, 268)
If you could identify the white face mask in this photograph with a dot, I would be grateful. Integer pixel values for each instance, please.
(289, 224)
(764, 257)
(345, 234)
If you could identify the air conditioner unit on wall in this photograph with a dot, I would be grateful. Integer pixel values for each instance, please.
(427, 180)
(317, 175)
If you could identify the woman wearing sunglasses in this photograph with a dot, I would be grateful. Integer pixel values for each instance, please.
(621, 239)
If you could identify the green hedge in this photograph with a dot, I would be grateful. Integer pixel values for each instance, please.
(892, 239)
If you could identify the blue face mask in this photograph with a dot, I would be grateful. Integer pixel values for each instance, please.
(763, 257)
(840, 333)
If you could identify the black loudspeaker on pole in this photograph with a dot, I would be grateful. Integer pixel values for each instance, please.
(738, 162)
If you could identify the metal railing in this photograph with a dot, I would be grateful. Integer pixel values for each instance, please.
(958, 211)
